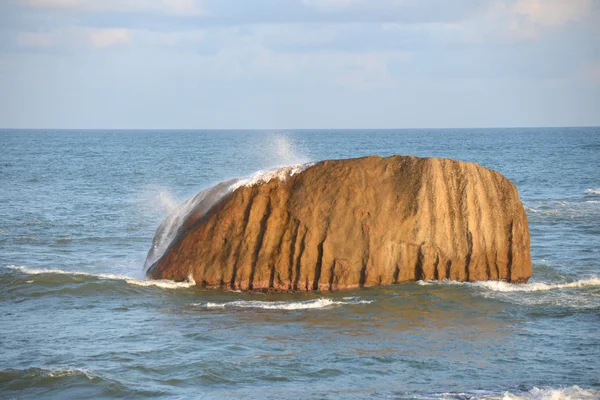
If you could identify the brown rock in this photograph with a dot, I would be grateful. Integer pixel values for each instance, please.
(368, 221)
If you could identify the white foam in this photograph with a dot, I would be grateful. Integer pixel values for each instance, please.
(592, 191)
(286, 305)
(570, 393)
(160, 283)
(499, 286)
(68, 371)
(281, 173)
(163, 283)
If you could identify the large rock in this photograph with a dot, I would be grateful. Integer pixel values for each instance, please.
(368, 221)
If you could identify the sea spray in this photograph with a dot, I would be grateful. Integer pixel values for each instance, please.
(281, 153)
(172, 225)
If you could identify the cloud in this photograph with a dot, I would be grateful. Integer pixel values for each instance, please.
(175, 7)
(104, 38)
(29, 39)
(183, 7)
(553, 13)
(330, 5)
(52, 3)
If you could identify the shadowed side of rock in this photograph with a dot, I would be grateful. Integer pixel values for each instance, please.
(360, 222)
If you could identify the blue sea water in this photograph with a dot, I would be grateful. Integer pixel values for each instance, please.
(78, 319)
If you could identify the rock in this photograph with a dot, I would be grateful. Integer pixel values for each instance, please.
(342, 224)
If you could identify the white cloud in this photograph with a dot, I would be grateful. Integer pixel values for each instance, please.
(329, 5)
(553, 13)
(104, 38)
(74, 39)
(187, 39)
(365, 71)
(52, 3)
(183, 7)
(29, 39)
(247, 59)
(175, 7)
(517, 21)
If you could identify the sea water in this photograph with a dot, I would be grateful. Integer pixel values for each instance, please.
(78, 318)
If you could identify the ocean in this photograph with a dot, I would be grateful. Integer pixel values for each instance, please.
(78, 318)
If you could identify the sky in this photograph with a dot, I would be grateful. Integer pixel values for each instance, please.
(277, 64)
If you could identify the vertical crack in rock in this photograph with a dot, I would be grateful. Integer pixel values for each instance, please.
(510, 252)
(396, 273)
(419, 264)
(296, 226)
(259, 242)
(237, 252)
(365, 257)
(331, 275)
(469, 254)
(319, 266)
(282, 236)
(436, 274)
(363, 275)
(496, 264)
(272, 278)
(448, 268)
(299, 259)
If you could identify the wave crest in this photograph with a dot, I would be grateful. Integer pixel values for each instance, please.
(160, 283)
(499, 286)
(286, 305)
(573, 392)
(41, 373)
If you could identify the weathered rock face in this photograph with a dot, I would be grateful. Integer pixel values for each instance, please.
(360, 222)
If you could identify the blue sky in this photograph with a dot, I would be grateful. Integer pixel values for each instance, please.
(280, 64)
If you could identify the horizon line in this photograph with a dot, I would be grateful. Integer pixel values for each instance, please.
(298, 129)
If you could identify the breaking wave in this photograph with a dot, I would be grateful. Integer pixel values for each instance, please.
(499, 286)
(161, 283)
(41, 373)
(570, 393)
(592, 191)
(536, 286)
(286, 305)
(202, 202)
(283, 158)
(548, 393)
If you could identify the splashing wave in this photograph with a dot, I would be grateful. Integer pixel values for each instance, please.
(202, 202)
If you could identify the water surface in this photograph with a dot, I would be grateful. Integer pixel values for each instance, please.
(78, 211)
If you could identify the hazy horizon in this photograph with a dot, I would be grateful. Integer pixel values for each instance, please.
(303, 129)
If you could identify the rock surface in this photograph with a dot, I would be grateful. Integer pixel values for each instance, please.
(343, 224)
